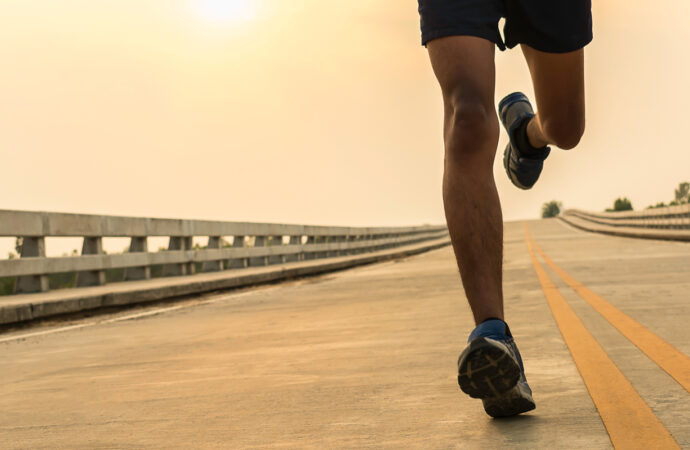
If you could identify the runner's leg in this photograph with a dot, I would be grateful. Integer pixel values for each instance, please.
(464, 67)
(559, 87)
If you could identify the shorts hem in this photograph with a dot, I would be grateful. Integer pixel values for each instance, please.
(462, 31)
(548, 46)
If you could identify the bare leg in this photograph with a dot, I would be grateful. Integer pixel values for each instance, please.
(464, 67)
(559, 86)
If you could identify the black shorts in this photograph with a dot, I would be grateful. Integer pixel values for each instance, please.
(554, 26)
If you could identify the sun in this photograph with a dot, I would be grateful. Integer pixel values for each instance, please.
(225, 11)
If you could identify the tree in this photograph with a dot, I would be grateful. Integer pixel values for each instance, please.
(551, 209)
(621, 204)
(683, 193)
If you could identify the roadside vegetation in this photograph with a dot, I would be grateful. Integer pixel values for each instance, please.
(621, 204)
(681, 196)
(551, 209)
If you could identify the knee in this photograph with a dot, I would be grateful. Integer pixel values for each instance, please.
(471, 129)
(564, 131)
(469, 117)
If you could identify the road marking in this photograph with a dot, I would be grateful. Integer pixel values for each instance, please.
(41, 333)
(133, 316)
(665, 355)
(629, 421)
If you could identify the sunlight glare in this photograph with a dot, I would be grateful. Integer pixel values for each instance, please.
(226, 11)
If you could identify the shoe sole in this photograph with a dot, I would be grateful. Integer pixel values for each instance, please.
(503, 105)
(486, 369)
(515, 401)
(511, 177)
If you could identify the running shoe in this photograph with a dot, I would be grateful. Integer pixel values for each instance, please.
(491, 368)
(523, 166)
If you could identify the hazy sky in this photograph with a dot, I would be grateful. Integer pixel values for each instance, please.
(303, 111)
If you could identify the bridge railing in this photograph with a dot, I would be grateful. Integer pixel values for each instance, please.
(253, 244)
(670, 217)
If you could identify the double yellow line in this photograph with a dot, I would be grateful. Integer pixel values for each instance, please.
(629, 421)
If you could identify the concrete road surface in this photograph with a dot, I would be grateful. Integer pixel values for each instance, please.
(362, 358)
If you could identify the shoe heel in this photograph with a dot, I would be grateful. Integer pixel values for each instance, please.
(512, 98)
(487, 370)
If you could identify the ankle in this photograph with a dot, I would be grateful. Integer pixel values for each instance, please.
(490, 318)
(530, 135)
(507, 328)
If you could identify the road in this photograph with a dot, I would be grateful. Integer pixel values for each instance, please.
(366, 358)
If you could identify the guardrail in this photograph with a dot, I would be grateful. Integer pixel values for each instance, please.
(670, 217)
(253, 244)
(669, 223)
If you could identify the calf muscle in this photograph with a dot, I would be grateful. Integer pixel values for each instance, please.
(464, 67)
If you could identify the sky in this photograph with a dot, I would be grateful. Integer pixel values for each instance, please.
(303, 111)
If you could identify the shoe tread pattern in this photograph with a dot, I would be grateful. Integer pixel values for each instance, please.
(486, 369)
(518, 400)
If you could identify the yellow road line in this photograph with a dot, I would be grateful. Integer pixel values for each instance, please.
(669, 358)
(628, 419)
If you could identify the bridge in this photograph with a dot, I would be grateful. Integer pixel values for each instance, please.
(261, 339)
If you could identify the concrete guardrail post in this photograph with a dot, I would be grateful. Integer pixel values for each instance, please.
(350, 239)
(178, 243)
(341, 240)
(311, 240)
(32, 247)
(275, 259)
(237, 263)
(259, 241)
(321, 240)
(138, 244)
(214, 242)
(294, 240)
(91, 246)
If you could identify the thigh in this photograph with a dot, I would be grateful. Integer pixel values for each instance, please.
(464, 67)
(559, 83)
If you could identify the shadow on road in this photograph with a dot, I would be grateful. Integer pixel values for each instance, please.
(522, 428)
